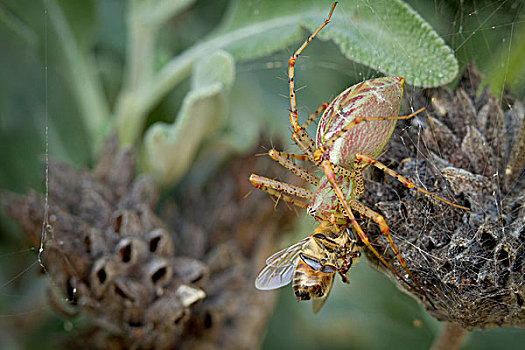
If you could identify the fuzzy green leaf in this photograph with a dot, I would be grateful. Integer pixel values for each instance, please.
(392, 38)
(169, 149)
(156, 12)
(85, 84)
(386, 35)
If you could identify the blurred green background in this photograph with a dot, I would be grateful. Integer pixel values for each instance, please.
(39, 77)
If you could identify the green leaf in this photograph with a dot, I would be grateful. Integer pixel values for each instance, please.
(80, 68)
(256, 29)
(81, 18)
(507, 69)
(169, 149)
(156, 12)
(392, 38)
(386, 35)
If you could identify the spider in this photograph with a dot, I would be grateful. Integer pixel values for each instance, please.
(353, 130)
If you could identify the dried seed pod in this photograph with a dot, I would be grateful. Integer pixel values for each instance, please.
(145, 284)
(108, 255)
(470, 263)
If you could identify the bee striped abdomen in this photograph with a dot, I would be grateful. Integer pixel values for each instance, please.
(308, 283)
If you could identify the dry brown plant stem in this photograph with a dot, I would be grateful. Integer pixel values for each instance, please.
(450, 337)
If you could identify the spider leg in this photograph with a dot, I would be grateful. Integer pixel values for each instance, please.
(291, 70)
(357, 120)
(281, 190)
(314, 115)
(403, 180)
(299, 135)
(302, 139)
(385, 231)
(282, 159)
(305, 143)
(327, 167)
(296, 156)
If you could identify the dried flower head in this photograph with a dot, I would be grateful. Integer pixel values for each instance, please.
(470, 262)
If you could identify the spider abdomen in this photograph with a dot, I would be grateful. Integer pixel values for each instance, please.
(380, 97)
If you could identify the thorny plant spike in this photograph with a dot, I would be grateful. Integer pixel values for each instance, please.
(352, 132)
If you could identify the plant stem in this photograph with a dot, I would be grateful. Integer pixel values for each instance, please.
(507, 66)
(85, 85)
(450, 337)
(135, 100)
(134, 104)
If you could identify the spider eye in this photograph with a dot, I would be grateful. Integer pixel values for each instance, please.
(310, 211)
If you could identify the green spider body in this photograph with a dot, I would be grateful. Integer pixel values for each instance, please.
(379, 97)
(352, 132)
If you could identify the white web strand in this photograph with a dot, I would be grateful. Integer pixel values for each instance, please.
(45, 224)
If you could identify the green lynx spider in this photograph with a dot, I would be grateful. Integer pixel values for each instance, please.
(353, 130)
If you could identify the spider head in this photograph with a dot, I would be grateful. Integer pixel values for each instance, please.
(318, 154)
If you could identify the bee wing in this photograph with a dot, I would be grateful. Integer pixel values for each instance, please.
(273, 277)
(279, 268)
(318, 303)
(288, 256)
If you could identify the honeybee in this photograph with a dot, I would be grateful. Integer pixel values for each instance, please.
(311, 264)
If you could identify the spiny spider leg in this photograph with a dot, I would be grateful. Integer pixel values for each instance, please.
(318, 153)
(291, 70)
(281, 158)
(305, 143)
(299, 135)
(314, 115)
(261, 183)
(402, 179)
(280, 189)
(302, 139)
(296, 156)
(258, 181)
(385, 231)
(308, 150)
(327, 167)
